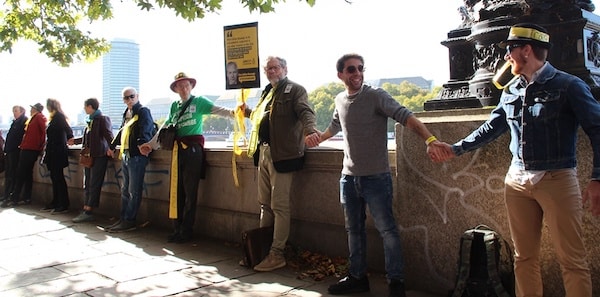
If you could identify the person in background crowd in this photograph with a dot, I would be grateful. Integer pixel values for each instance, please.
(136, 129)
(361, 113)
(188, 158)
(59, 134)
(2, 157)
(12, 150)
(31, 147)
(97, 136)
(542, 109)
(280, 122)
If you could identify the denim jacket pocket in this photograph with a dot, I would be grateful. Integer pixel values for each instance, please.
(546, 105)
(512, 107)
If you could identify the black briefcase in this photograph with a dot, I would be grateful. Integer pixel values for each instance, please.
(256, 244)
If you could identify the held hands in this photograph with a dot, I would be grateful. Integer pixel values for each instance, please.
(110, 153)
(145, 149)
(592, 194)
(440, 151)
(313, 139)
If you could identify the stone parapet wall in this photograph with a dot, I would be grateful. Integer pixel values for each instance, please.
(434, 203)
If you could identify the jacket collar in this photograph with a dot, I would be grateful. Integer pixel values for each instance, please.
(134, 109)
(548, 72)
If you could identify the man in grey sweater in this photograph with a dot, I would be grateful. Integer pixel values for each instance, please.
(361, 113)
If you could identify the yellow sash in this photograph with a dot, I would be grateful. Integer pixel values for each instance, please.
(255, 117)
(174, 180)
(125, 135)
(239, 132)
(173, 185)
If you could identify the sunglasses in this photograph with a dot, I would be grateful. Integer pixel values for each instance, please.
(511, 47)
(129, 97)
(353, 69)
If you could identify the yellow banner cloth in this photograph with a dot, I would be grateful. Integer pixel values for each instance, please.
(125, 135)
(255, 117)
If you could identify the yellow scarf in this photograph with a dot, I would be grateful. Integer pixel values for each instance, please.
(239, 133)
(255, 117)
(125, 131)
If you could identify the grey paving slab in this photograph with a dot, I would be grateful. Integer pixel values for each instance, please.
(141, 269)
(63, 286)
(31, 277)
(157, 285)
(104, 262)
(49, 255)
(220, 272)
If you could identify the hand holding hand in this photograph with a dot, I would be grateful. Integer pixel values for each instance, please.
(242, 107)
(145, 149)
(313, 139)
(440, 151)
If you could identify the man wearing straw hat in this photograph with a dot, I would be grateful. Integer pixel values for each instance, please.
(188, 158)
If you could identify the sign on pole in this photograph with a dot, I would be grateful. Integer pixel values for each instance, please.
(241, 56)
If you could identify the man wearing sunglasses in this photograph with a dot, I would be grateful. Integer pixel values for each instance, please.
(361, 113)
(542, 108)
(137, 128)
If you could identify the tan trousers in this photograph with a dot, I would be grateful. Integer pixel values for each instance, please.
(274, 198)
(556, 199)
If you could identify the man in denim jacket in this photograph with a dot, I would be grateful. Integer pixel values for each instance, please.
(543, 108)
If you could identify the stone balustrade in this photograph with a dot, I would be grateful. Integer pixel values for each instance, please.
(434, 203)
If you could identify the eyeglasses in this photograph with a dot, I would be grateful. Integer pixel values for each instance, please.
(276, 67)
(128, 97)
(353, 69)
(511, 47)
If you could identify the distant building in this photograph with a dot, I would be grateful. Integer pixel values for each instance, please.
(230, 98)
(416, 80)
(159, 108)
(120, 68)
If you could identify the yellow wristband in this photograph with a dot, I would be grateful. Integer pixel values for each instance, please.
(431, 139)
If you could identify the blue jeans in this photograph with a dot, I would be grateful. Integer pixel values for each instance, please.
(374, 191)
(134, 169)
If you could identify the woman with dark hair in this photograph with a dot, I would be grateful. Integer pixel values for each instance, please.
(56, 157)
(97, 136)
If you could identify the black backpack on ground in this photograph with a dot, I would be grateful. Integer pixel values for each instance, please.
(485, 266)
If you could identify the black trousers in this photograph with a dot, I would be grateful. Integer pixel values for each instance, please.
(24, 182)
(60, 194)
(10, 172)
(190, 167)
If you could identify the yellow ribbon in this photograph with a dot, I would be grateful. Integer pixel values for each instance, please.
(173, 183)
(174, 180)
(239, 132)
(255, 117)
(125, 135)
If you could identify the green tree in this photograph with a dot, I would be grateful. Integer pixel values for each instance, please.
(217, 123)
(407, 94)
(322, 100)
(53, 25)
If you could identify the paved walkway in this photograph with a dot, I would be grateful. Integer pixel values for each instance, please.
(48, 255)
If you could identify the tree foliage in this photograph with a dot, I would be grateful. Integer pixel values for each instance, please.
(54, 25)
(407, 94)
(322, 100)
